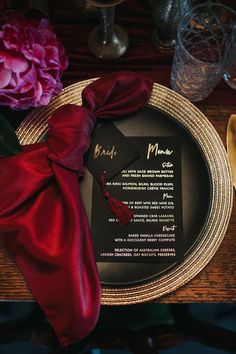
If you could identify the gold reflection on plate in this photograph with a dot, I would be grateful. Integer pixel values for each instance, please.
(34, 127)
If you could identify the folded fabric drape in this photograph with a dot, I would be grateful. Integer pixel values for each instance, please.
(42, 217)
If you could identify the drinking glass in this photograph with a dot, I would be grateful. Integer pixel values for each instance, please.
(166, 15)
(107, 41)
(204, 49)
(230, 74)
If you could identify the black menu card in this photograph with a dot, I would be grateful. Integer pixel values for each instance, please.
(110, 151)
(150, 184)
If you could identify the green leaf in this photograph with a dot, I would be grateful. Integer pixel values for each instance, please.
(9, 143)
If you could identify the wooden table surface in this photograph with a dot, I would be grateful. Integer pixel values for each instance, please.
(217, 281)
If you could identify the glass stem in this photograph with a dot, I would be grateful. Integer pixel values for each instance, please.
(106, 15)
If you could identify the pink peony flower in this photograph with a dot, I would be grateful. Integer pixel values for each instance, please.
(32, 60)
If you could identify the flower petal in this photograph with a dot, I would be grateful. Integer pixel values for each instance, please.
(5, 76)
(15, 63)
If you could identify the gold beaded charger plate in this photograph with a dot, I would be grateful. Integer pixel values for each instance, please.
(207, 193)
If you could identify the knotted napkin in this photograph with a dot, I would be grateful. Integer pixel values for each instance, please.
(42, 217)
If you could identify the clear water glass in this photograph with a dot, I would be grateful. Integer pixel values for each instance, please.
(230, 74)
(204, 49)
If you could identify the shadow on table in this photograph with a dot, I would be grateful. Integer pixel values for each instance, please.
(140, 329)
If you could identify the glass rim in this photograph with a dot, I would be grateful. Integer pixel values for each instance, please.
(187, 15)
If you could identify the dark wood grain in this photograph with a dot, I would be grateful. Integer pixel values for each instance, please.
(217, 281)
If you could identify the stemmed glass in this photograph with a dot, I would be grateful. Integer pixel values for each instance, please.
(107, 40)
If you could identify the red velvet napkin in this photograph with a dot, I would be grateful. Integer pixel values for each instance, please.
(42, 217)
